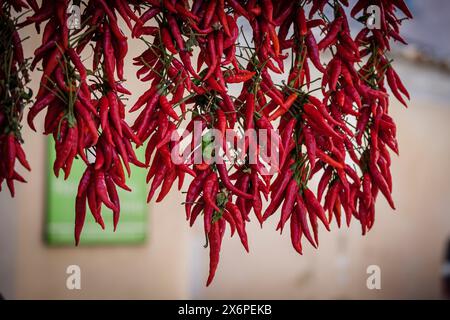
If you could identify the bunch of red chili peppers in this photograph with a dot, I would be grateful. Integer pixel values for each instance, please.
(14, 94)
(86, 119)
(341, 136)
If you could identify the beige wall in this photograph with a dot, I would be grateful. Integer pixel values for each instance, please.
(407, 245)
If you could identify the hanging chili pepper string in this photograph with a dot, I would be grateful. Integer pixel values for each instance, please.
(14, 94)
(335, 127)
(87, 116)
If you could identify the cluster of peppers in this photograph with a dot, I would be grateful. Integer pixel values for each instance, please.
(14, 93)
(86, 119)
(342, 136)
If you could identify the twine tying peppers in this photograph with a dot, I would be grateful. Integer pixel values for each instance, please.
(343, 135)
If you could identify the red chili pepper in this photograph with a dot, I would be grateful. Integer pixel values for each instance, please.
(312, 113)
(20, 154)
(311, 147)
(222, 170)
(114, 112)
(109, 56)
(313, 205)
(332, 34)
(209, 12)
(101, 190)
(157, 180)
(301, 22)
(222, 17)
(228, 218)
(39, 106)
(313, 51)
(381, 183)
(198, 208)
(167, 184)
(240, 224)
(276, 196)
(11, 155)
(284, 107)
(63, 146)
(296, 232)
(80, 215)
(392, 81)
(208, 186)
(167, 107)
(288, 204)
(215, 241)
(238, 8)
(167, 40)
(301, 212)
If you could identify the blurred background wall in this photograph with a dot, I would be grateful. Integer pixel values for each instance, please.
(408, 244)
